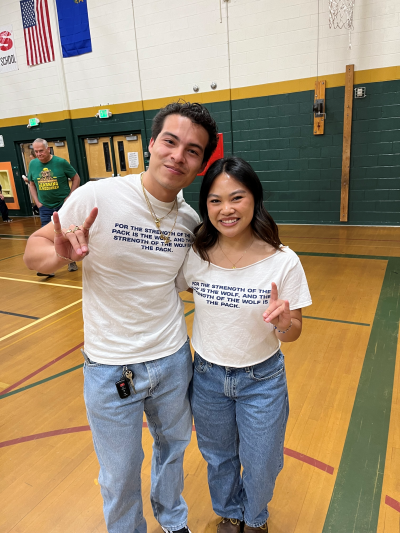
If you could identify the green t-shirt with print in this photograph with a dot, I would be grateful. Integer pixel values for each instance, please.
(51, 180)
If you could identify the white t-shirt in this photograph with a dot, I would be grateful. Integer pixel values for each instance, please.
(228, 328)
(131, 308)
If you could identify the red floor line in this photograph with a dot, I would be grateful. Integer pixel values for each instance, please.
(394, 504)
(11, 387)
(44, 435)
(65, 431)
(308, 460)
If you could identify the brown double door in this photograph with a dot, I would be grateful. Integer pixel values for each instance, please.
(117, 155)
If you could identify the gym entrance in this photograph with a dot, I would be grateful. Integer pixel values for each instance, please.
(116, 155)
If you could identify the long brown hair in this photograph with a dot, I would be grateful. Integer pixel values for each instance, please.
(262, 224)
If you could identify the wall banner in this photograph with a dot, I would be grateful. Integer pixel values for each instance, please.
(8, 56)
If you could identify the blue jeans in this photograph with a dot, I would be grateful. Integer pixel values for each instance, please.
(240, 416)
(46, 213)
(162, 394)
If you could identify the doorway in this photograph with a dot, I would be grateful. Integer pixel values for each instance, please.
(116, 155)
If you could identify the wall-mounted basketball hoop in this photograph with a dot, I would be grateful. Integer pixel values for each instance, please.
(341, 15)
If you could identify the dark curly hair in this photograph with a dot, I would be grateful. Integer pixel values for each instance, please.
(198, 114)
(262, 224)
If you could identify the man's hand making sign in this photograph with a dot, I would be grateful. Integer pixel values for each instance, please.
(73, 244)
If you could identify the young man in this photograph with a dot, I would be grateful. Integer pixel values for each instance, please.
(135, 333)
(48, 183)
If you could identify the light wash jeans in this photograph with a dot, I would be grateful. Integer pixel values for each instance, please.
(162, 394)
(240, 416)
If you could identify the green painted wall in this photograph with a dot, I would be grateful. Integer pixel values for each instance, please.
(300, 172)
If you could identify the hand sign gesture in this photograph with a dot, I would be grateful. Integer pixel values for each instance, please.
(278, 312)
(72, 244)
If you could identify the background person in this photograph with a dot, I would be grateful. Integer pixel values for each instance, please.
(48, 184)
(135, 328)
(249, 290)
(3, 207)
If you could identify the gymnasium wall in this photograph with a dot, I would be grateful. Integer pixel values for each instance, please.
(264, 57)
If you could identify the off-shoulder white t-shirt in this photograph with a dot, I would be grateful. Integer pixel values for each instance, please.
(228, 328)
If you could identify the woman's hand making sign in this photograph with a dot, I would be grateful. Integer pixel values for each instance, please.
(73, 244)
(287, 323)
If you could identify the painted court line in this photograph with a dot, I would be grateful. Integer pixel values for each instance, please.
(309, 460)
(44, 435)
(40, 320)
(47, 365)
(37, 330)
(18, 314)
(11, 256)
(42, 283)
(334, 320)
(296, 455)
(394, 504)
(45, 380)
(344, 240)
(356, 496)
(347, 256)
(15, 237)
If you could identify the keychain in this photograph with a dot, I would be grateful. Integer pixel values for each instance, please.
(123, 384)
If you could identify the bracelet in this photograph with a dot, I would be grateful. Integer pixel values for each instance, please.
(66, 258)
(286, 330)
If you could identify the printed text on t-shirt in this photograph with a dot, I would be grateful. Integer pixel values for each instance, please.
(227, 296)
(150, 239)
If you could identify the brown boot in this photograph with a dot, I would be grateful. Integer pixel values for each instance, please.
(229, 525)
(248, 529)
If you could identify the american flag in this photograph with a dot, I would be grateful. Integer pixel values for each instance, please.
(37, 32)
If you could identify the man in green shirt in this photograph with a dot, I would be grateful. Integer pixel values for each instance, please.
(48, 182)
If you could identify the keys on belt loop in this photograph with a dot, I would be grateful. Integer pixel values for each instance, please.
(123, 384)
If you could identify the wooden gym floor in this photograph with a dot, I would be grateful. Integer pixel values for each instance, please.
(342, 448)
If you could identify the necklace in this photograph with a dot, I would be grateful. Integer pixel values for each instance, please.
(157, 220)
(234, 264)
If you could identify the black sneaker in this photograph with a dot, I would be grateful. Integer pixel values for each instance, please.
(182, 530)
(45, 275)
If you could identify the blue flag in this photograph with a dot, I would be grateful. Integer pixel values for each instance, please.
(73, 21)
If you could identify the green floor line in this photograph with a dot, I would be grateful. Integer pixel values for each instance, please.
(347, 256)
(11, 256)
(14, 236)
(40, 382)
(354, 506)
(188, 301)
(333, 320)
(189, 312)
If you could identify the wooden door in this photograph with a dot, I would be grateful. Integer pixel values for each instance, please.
(128, 154)
(60, 149)
(98, 156)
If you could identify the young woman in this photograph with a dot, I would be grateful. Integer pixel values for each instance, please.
(249, 290)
